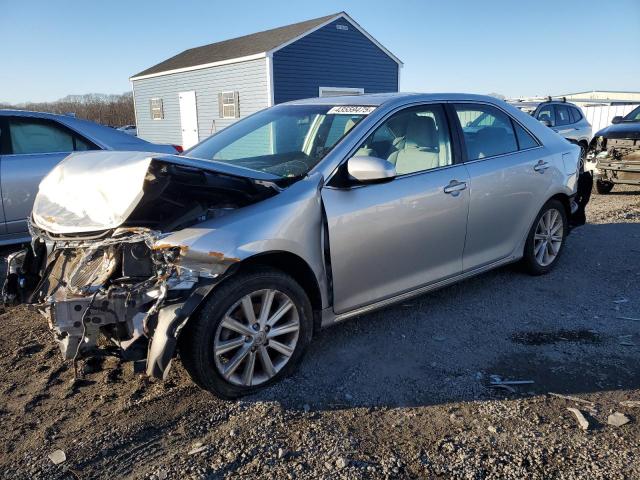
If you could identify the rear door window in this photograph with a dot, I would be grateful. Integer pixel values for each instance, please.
(562, 115)
(487, 131)
(577, 116)
(525, 140)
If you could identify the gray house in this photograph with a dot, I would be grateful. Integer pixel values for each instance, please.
(194, 94)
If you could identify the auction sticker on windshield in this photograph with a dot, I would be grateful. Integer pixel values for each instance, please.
(351, 110)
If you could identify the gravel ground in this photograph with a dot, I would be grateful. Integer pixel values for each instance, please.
(401, 393)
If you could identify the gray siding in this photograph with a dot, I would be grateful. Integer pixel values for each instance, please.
(249, 78)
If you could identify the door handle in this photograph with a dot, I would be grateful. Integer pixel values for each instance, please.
(455, 187)
(541, 166)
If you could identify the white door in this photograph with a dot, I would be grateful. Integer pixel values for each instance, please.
(188, 119)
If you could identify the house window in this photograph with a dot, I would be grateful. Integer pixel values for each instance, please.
(229, 104)
(157, 112)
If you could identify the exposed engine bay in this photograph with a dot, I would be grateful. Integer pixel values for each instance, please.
(617, 160)
(122, 288)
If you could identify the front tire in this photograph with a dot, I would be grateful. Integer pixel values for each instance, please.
(545, 241)
(251, 332)
(603, 187)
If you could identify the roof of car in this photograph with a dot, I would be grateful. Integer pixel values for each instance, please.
(377, 99)
(104, 137)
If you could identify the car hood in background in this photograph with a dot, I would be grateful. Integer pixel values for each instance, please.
(95, 191)
(621, 130)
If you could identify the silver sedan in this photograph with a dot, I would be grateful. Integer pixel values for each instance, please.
(32, 143)
(294, 219)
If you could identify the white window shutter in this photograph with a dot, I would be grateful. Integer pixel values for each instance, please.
(236, 101)
(220, 106)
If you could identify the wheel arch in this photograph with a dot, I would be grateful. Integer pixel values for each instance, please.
(291, 264)
(565, 200)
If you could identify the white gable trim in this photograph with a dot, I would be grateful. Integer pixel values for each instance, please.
(353, 23)
(270, 89)
(204, 65)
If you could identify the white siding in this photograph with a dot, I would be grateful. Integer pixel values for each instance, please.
(600, 116)
(248, 78)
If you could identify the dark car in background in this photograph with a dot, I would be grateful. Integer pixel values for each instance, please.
(615, 150)
(32, 143)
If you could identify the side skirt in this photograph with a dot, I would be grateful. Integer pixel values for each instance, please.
(329, 318)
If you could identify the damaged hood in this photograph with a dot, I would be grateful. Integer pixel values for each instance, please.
(94, 191)
(629, 130)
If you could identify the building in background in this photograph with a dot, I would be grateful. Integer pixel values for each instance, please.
(190, 96)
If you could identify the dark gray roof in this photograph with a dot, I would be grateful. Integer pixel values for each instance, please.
(236, 47)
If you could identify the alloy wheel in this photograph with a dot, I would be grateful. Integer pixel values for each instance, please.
(548, 237)
(256, 337)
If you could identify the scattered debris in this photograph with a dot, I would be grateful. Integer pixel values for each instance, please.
(497, 380)
(282, 452)
(630, 403)
(197, 448)
(162, 474)
(493, 429)
(633, 319)
(57, 457)
(582, 421)
(618, 419)
(503, 387)
(573, 399)
(341, 462)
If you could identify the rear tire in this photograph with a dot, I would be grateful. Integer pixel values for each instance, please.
(603, 187)
(215, 340)
(546, 239)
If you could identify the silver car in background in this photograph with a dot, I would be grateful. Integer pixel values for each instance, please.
(296, 218)
(564, 118)
(32, 143)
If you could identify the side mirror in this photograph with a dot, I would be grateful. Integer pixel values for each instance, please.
(546, 123)
(370, 169)
(617, 119)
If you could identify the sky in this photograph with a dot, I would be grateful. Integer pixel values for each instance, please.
(512, 47)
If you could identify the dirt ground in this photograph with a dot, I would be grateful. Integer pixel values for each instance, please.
(401, 393)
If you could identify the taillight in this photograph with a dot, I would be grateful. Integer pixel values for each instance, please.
(178, 148)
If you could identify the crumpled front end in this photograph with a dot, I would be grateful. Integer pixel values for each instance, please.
(617, 160)
(101, 267)
(119, 291)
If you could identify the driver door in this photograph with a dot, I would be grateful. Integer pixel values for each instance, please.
(393, 237)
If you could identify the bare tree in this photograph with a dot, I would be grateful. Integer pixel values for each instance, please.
(112, 110)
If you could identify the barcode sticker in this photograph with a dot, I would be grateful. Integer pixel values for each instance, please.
(351, 110)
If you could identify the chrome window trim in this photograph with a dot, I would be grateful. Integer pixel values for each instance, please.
(379, 122)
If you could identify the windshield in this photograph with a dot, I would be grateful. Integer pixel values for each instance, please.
(286, 140)
(632, 116)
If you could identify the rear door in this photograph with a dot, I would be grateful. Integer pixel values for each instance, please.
(34, 147)
(389, 238)
(509, 175)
